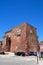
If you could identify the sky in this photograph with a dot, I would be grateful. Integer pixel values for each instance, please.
(16, 12)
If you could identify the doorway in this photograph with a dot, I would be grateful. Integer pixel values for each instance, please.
(8, 43)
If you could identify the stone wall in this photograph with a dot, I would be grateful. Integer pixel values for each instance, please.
(23, 39)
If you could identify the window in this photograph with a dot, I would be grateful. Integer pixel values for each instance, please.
(30, 31)
(9, 35)
(18, 32)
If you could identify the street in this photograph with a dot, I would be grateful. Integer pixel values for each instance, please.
(19, 60)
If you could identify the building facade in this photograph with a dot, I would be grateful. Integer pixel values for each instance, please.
(41, 46)
(0, 45)
(22, 38)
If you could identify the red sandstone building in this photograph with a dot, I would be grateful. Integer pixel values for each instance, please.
(0, 45)
(41, 46)
(22, 38)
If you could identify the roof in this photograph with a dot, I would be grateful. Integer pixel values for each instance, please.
(20, 25)
(30, 25)
(8, 31)
(41, 43)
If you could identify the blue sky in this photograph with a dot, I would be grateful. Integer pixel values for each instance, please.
(15, 12)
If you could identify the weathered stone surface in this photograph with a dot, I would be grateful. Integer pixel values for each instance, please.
(23, 38)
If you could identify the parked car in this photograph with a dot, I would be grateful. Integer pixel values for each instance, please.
(17, 53)
(26, 53)
(33, 53)
(41, 53)
(1, 52)
(22, 54)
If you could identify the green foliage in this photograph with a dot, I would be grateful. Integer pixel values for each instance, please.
(41, 56)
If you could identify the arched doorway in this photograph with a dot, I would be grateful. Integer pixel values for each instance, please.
(8, 43)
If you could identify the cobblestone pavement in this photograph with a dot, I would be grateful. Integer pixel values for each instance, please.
(19, 60)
